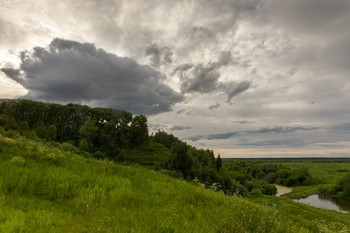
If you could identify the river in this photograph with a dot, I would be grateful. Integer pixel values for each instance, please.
(326, 202)
(281, 190)
(317, 200)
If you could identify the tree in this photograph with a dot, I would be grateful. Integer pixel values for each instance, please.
(42, 131)
(218, 162)
(23, 127)
(139, 130)
(52, 132)
(87, 133)
(180, 159)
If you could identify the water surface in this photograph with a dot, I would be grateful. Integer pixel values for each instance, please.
(326, 203)
(282, 190)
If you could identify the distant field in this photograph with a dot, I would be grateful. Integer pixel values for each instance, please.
(328, 173)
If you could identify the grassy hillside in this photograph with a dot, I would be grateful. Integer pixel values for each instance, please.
(49, 188)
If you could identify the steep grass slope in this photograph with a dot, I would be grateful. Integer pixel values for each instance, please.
(47, 188)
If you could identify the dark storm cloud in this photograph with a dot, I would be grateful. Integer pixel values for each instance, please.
(205, 79)
(69, 71)
(179, 127)
(158, 55)
(12, 73)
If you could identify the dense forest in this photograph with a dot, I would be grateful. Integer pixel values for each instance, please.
(117, 135)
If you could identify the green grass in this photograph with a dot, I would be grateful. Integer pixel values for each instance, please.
(303, 191)
(321, 217)
(151, 154)
(46, 188)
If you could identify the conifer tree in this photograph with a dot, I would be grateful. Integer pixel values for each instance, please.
(218, 162)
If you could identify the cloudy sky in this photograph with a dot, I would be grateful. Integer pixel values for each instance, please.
(246, 78)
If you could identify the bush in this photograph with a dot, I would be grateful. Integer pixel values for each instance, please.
(17, 160)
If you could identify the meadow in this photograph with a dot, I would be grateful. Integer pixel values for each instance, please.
(325, 172)
(47, 187)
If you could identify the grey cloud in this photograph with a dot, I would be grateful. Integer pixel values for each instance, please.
(158, 55)
(181, 111)
(312, 16)
(233, 89)
(267, 130)
(213, 136)
(222, 136)
(211, 20)
(225, 58)
(9, 32)
(311, 20)
(204, 79)
(281, 130)
(195, 138)
(201, 32)
(69, 71)
(341, 128)
(211, 107)
(182, 68)
(157, 126)
(101, 17)
(288, 142)
(179, 127)
(12, 73)
(243, 122)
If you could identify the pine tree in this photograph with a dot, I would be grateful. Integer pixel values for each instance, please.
(218, 162)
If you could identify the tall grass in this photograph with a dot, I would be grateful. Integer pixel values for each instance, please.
(44, 188)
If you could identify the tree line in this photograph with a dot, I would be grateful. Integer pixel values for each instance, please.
(101, 131)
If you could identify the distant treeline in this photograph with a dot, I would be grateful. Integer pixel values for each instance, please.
(294, 160)
(104, 131)
(245, 171)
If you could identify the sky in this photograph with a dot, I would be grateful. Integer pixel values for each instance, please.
(245, 78)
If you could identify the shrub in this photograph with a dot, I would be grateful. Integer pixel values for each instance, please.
(17, 160)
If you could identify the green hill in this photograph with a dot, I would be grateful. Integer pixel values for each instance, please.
(47, 187)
